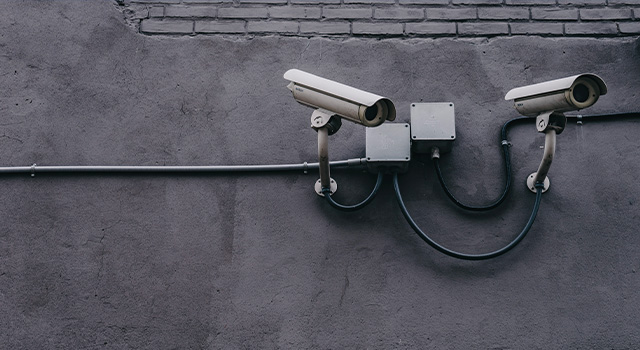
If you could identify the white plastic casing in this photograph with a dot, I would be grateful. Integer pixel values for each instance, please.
(432, 125)
(557, 95)
(388, 147)
(552, 86)
(346, 101)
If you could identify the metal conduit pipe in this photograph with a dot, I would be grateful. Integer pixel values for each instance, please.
(69, 169)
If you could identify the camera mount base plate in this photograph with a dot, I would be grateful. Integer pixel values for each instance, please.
(333, 186)
(532, 186)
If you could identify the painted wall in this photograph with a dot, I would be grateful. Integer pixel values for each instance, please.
(258, 260)
(385, 18)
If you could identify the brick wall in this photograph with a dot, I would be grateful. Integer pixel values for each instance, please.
(385, 18)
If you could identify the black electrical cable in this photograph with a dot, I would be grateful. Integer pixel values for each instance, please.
(507, 166)
(464, 256)
(507, 157)
(495, 204)
(327, 195)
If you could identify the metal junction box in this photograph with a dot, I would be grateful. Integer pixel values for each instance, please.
(389, 147)
(432, 125)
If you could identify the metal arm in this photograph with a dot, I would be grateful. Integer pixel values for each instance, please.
(547, 158)
(325, 180)
(324, 123)
(543, 169)
(550, 124)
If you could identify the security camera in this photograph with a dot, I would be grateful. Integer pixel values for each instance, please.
(345, 101)
(560, 95)
(547, 101)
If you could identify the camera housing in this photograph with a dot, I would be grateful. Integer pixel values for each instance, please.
(345, 101)
(560, 95)
(547, 101)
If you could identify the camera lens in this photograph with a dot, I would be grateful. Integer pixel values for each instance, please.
(581, 93)
(371, 112)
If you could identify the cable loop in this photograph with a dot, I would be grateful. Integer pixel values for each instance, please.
(327, 195)
(495, 204)
(465, 256)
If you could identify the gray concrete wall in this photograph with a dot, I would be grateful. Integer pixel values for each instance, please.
(259, 261)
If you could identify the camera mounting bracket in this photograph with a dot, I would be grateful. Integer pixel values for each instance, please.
(551, 124)
(551, 120)
(325, 123)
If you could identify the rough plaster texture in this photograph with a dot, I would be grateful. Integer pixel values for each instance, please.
(259, 261)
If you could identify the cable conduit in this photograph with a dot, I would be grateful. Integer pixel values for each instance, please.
(465, 256)
(71, 169)
(326, 192)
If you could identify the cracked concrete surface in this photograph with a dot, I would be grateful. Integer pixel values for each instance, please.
(258, 261)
